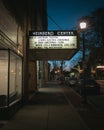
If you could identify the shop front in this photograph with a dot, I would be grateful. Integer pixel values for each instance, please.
(10, 80)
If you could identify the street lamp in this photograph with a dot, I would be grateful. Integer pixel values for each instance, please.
(83, 26)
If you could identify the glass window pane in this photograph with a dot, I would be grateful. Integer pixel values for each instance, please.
(19, 77)
(15, 87)
(12, 85)
(3, 77)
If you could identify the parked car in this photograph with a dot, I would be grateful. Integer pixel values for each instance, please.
(70, 81)
(88, 86)
(73, 81)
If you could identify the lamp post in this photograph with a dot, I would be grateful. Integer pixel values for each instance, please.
(83, 26)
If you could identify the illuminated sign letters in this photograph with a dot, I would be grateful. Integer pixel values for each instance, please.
(53, 40)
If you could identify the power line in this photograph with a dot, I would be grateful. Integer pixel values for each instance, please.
(54, 22)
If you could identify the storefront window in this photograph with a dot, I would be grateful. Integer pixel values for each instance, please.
(3, 78)
(15, 81)
(10, 78)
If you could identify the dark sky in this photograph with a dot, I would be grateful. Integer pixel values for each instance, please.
(65, 13)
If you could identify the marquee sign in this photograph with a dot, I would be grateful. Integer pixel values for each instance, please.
(53, 40)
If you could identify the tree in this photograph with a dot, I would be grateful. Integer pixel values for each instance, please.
(98, 20)
(57, 65)
(95, 28)
(94, 34)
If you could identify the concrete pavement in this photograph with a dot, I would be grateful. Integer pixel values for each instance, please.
(49, 109)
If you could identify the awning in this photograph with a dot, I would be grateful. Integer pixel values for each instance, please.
(51, 54)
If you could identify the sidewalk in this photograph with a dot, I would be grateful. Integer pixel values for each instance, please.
(50, 109)
(97, 101)
(92, 113)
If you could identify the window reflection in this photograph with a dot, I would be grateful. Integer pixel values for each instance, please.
(10, 78)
